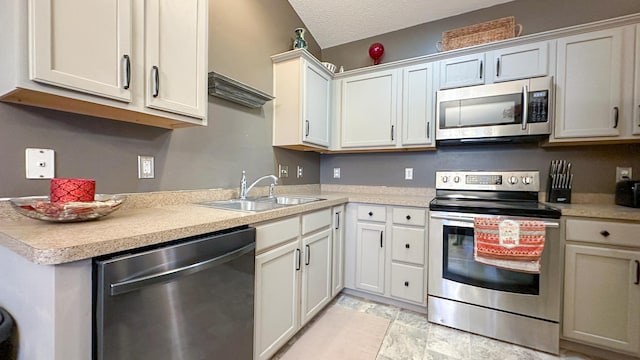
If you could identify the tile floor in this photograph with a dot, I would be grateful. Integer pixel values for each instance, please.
(411, 337)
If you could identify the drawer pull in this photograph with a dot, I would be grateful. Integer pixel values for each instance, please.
(370, 213)
(604, 233)
(637, 273)
(307, 255)
(381, 238)
(407, 246)
(406, 283)
(408, 217)
(297, 259)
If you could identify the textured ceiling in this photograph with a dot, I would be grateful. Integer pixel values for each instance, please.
(336, 22)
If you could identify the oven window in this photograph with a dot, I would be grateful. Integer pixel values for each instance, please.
(458, 265)
(485, 111)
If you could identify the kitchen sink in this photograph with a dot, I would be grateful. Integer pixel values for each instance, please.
(261, 203)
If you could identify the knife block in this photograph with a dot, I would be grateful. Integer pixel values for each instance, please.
(558, 195)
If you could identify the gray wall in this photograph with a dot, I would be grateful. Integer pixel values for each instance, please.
(594, 166)
(243, 35)
(535, 16)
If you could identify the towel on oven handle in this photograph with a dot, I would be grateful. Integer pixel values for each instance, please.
(515, 245)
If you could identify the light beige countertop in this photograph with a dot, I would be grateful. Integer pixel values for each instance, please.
(154, 218)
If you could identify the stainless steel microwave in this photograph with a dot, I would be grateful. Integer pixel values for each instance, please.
(518, 110)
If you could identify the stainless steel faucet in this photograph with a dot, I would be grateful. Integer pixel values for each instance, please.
(244, 190)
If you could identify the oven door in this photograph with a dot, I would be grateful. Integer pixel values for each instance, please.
(454, 275)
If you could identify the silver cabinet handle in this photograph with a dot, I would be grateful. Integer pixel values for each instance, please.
(127, 66)
(481, 69)
(525, 106)
(392, 126)
(156, 77)
(616, 112)
(307, 256)
(306, 131)
(337, 220)
(297, 259)
(381, 235)
(498, 67)
(428, 128)
(637, 282)
(144, 281)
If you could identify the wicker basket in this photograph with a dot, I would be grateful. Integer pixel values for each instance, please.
(494, 30)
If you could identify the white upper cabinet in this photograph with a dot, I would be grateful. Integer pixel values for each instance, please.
(635, 123)
(143, 62)
(418, 98)
(510, 63)
(369, 109)
(176, 56)
(593, 76)
(82, 45)
(302, 110)
(520, 62)
(462, 71)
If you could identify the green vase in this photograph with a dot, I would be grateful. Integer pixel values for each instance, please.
(299, 42)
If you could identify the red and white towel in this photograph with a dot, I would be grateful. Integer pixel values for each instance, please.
(509, 244)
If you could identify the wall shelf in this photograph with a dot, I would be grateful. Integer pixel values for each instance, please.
(232, 90)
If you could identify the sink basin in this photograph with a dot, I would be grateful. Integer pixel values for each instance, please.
(260, 204)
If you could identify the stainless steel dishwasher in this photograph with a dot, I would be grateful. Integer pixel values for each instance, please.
(191, 299)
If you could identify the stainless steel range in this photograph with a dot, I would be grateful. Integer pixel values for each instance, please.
(518, 307)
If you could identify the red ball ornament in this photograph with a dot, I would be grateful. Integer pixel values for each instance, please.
(375, 52)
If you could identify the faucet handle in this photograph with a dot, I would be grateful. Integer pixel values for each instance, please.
(271, 188)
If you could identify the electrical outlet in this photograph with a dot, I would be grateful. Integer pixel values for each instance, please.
(39, 163)
(408, 173)
(336, 173)
(145, 167)
(283, 171)
(623, 173)
(299, 173)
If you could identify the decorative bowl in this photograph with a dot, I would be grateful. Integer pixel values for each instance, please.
(330, 66)
(39, 207)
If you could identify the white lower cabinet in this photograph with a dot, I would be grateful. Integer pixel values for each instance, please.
(387, 246)
(338, 239)
(602, 285)
(293, 277)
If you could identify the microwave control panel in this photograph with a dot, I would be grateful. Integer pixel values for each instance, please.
(538, 106)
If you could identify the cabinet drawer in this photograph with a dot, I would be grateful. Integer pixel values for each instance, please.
(409, 216)
(316, 220)
(407, 244)
(271, 234)
(407, 282)
(603, 232)
(372, 213)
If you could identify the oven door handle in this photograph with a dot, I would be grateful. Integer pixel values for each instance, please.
(469, 219)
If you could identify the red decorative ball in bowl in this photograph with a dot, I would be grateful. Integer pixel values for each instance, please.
(375, 52)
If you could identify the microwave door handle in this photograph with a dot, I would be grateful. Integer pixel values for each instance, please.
(525, 106)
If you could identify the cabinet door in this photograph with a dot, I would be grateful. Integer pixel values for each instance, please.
(636, 91)
(590, 84)
(82, 45)
(462, 71)
(316, 274)
(315, 105)
(418, 99)
(338, 241)
(601, 297)
(276, 298)
(176, 56)
(370, 250)
(520, 62)
(369, 109)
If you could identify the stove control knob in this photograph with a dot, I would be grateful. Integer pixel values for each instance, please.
(527, 180)
(512, 180)
(456, 179)
(445, 179)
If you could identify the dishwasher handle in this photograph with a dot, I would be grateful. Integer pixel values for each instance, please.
(144, 281)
